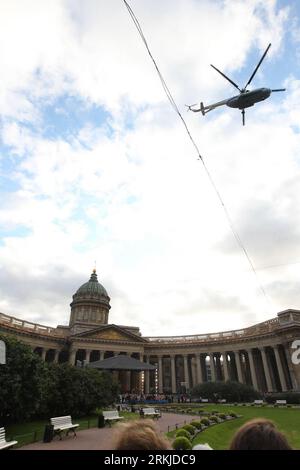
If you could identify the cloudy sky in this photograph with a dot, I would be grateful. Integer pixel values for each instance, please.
(95, 164)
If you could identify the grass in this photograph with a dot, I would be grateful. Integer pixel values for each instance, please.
(219, 437)
(33, 431)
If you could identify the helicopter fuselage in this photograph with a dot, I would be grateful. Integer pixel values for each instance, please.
(249, 98)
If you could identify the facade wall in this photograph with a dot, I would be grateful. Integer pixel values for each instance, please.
(259, 355)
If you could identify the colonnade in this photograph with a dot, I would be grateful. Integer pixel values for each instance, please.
(266, 368)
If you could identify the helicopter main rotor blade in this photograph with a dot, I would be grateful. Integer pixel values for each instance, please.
(257, 67)
(279, 89)
(223, 75)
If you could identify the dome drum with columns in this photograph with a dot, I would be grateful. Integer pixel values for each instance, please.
(90, 305)
(260, 355)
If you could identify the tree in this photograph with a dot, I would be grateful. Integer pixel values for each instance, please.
(29, 387)
(22, 381)
(77, 391)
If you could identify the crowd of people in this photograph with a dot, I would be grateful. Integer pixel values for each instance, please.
(135, 398)
(257, 434)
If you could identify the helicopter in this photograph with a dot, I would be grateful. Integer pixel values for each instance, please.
(245, 99)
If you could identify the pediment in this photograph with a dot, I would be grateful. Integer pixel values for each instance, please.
(111, 333)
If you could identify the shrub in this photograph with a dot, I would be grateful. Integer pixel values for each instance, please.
(182, 443)
(189, 428)
(222, 415)
(231, 391)
(205, 421)
(232, 414)
(215, 412)
(214, 418)
(184, 433)
(196, 424)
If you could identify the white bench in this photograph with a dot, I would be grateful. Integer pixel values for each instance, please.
(3, 443)
(150, 412)
(281, 402)
(110, 416)
(63, 423)
(258, 402)
(222, 400)
(204, 400)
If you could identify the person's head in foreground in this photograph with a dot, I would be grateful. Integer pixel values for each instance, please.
(259, 434)
(140, 435)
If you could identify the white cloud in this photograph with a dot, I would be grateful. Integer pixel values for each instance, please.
(130, 192)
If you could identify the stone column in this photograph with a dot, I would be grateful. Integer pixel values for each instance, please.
(218, 367)
(186, 371)
(56, 355)
(199, 369)
(88, 355)
(238, 366)
(160, 374)
(212, 367)
(280, 369)
(266, 369)
(102, 355)
(72, 357)
(173, 374)
(139, 374)
(288, 353)
(225, 366)
(147, 377)
(128, 378)
(252, 369)
(43, 355)
(193, 377)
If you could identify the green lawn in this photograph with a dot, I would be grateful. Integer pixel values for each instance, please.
(219, 436)
(33, 431)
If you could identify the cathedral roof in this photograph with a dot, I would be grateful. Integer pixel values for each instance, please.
(92, 287)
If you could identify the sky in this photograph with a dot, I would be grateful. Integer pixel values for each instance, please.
(95, 165)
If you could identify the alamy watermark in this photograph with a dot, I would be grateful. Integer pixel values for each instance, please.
(296, 354)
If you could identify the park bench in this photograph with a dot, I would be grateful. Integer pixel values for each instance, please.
(281, 402)
(258, 402)
(111, 416)
(222, 400)
(150, 412)
(3, 443)
(63, 423)
(204, 400)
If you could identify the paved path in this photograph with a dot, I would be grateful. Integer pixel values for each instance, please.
(101, 439)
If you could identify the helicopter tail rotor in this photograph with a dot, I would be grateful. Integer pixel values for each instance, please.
(189, 106)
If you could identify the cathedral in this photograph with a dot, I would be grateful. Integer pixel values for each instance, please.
(259, 355)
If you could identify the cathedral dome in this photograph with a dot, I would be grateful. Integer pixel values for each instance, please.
(91, 288)
(90, 305)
